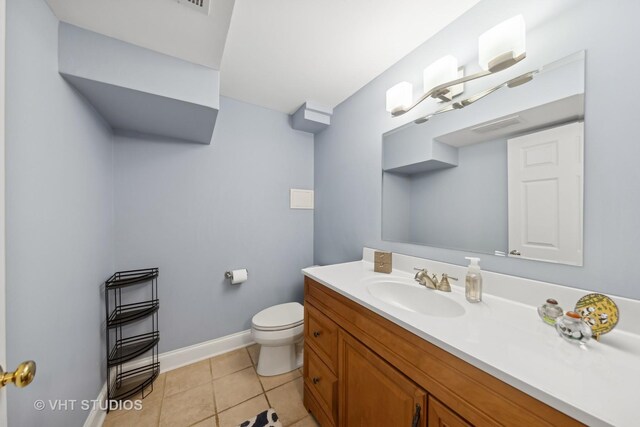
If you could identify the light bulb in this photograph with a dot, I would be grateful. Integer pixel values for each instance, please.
(399, 97)
(441, 71)
(503, 45)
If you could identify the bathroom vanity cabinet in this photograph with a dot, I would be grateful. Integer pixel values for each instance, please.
(361, 369)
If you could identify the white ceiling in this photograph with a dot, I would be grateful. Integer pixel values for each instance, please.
(165, 26)
(278, 53)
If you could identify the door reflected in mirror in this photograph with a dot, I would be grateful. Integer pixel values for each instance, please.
(503, 176)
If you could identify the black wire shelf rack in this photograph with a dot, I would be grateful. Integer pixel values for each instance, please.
(132, 360)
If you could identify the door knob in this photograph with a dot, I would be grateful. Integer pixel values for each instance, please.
(514, 252)
(21, 377)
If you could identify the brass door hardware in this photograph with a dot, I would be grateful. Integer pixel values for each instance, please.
(21, 377)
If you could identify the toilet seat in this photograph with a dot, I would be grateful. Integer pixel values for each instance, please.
(279, 317)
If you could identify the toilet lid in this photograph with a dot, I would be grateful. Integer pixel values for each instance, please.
(281, 316)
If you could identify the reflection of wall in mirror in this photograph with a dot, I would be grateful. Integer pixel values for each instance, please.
(464, 207)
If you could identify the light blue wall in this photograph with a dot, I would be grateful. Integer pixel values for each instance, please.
(59, 221)
(101, 58)
(139, 90)
(348, 154)
(196, 211)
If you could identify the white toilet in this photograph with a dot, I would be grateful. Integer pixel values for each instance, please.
(279, 331)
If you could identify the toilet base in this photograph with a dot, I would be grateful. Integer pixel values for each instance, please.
(278, 360)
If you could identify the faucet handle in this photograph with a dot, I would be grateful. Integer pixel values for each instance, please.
(444, 285)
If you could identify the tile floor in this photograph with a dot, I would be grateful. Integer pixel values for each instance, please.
(219, 392)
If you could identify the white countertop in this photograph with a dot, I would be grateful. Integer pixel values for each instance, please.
(597, 384)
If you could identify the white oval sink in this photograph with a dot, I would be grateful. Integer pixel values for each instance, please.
(414, 298)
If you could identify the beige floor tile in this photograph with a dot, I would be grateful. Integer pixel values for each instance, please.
(187, 377)
(272, 382)
(148, 416)
(188, 407)
(236, 388)
(287, 401)
(152, 397)
(254, 352)
(158, 389)
(229, 363)
(307, 421)
(249, 409)
(209, 422)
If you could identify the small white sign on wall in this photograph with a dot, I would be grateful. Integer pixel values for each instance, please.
(301, 199)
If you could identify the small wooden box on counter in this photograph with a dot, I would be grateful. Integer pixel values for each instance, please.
(382, 262)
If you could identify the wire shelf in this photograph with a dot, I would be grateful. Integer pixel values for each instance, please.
(131, 277)
(126, 349)
(128, 313)
(133, 381)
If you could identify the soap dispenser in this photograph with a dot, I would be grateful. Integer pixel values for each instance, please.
(473, 282)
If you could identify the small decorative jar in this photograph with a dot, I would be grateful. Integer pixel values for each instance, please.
(550, 311)
(572, 328)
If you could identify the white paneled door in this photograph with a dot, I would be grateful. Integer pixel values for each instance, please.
(545, 194)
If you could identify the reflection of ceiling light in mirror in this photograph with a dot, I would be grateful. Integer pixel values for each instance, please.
(441, 71)
(399, 96)
(501, 46)
(520, 80)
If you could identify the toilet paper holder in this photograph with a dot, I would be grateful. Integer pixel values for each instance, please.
(229, 274)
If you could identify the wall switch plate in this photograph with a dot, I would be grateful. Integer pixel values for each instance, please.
(382, 262)
(301, 199)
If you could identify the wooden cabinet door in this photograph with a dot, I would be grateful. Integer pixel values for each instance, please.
(441, 416)
(372, 393)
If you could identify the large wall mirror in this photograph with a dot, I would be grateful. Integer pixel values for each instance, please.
(503, 176)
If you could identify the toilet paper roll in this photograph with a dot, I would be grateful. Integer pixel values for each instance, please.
(239, 276)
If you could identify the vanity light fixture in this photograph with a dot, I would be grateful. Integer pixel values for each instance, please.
(514, 82)
(498, 49)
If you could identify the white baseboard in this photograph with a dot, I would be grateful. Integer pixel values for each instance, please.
(194, 353)
(96, 415)
(176, 359)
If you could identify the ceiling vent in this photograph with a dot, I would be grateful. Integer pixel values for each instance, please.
(201, 6)
(497, 125)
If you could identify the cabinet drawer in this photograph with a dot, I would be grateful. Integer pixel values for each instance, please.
(312, 406)
(322, 334)
(321, 381)
(440, 415)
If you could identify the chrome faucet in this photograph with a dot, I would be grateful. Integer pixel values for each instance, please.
(422, 277)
